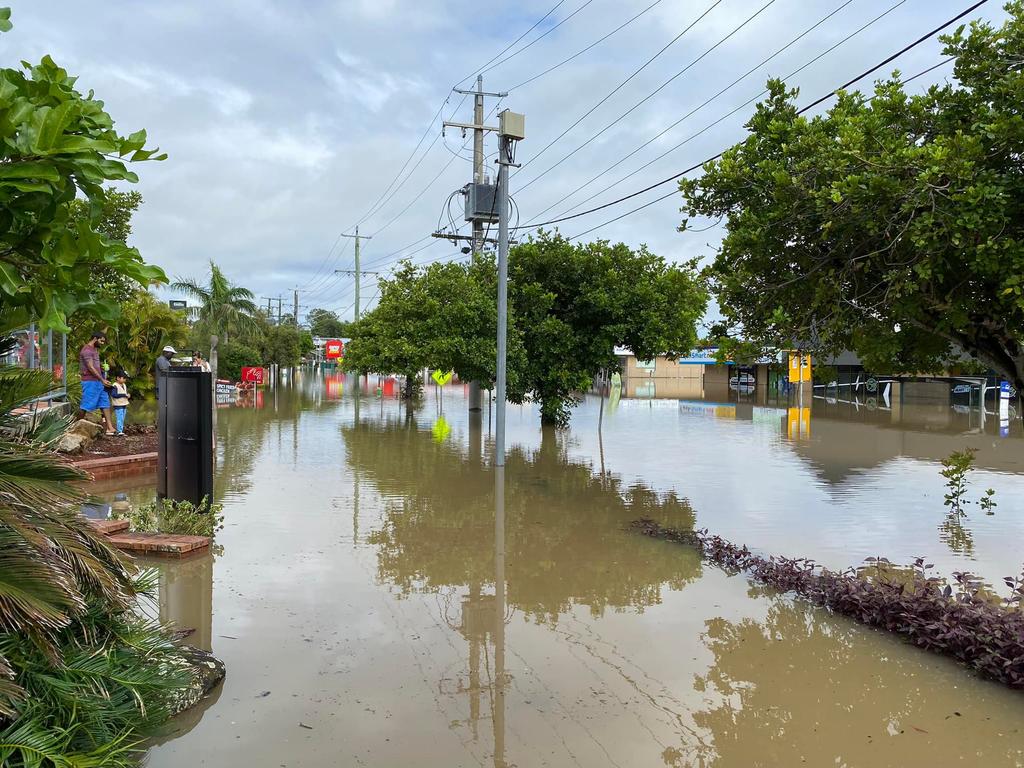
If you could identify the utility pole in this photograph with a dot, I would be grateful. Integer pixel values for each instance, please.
(474, 213)
(357, 237)
(295, 317)
(478, 157)
(511, 128)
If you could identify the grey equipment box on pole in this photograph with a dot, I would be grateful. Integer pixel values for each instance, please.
(185, 436)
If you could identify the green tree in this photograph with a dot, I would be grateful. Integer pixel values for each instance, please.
(281, 345)
(144, 326)
(576, 302)
(56, 143)
(233, 356)
(439, 316)
(223, 308)
(890, 226)
(115, 222)
(325, 324)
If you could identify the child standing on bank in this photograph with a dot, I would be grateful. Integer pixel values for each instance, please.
(119, 398)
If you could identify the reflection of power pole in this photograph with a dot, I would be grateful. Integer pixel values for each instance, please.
(499, 617)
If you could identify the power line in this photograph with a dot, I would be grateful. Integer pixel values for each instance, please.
(423, 137)
(651, 95)
(807, 108)
(509, 47)
(700, 106)
(584, 50)
(433, 180)
(674, 192)
(621, 85)
(536, 39)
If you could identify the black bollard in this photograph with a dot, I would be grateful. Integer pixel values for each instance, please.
(185, 436)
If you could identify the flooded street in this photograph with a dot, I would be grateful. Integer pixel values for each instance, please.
(377, 603)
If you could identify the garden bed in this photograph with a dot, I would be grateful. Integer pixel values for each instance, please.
(138, 439)
(964, 620)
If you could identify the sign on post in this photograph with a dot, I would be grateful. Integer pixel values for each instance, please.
(252, 375)
(334, 349)
(442, 378)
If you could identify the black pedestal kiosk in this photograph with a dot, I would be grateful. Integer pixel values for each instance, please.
(185, 436)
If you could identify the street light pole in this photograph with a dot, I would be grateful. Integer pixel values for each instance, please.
(511, 129)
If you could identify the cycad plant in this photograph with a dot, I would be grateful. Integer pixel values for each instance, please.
(82, 675)
(223, 307)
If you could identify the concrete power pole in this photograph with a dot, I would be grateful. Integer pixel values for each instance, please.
(295, 317)
(356, 272)
(479, 179)
(475, 400)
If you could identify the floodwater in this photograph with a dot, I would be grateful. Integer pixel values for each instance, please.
(377, 602)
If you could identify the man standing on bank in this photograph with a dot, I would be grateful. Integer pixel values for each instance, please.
(94, 382)
(163, 364)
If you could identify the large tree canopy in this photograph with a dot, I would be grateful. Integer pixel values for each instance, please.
(569, 307)
(576, 302)
(326, 324)
(56, 143)
(441, 316)
(890, 225)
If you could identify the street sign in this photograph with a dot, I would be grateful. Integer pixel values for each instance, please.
(442, 378)
(178, 304)
(252, 374)
(334, 349)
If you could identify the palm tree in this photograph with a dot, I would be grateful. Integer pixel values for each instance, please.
(223, 307)
(82, 675)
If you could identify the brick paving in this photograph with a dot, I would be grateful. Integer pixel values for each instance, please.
(162, 544)
(109, 527)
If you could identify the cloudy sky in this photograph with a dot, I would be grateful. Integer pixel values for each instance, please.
(288, 123)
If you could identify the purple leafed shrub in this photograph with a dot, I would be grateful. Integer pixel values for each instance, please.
(966, 623)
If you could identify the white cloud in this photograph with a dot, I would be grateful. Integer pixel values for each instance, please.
(285, 122)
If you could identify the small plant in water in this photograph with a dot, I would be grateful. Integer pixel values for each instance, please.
(987, 503)
(956, 468)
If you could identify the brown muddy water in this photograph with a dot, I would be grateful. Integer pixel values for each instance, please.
(377, 605)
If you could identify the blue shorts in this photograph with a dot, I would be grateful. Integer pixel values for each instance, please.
(94, 396)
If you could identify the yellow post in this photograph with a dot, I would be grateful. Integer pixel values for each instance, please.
(799, 368)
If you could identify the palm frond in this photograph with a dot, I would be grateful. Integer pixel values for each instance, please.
(190, 288)
(21, 386)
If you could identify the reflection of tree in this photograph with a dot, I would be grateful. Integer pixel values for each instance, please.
(801, 688)
(954, 535)
(242, 430)
(565, 537)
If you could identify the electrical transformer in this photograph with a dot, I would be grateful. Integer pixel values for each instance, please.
(480, 203)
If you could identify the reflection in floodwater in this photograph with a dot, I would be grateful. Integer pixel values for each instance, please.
(184, 597)
(382, 593)
(801, 688)
(564, 528)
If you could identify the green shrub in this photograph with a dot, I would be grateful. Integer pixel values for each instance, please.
(175, 517)
(232, 357)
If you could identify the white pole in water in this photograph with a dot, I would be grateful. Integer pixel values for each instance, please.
(511, 129)
(499, 385)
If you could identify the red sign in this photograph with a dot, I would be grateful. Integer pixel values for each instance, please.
(252, 374)
(333, 349)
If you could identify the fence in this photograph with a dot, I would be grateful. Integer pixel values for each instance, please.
(40, 351)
